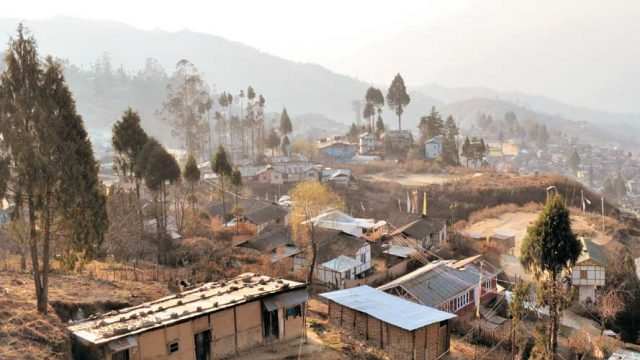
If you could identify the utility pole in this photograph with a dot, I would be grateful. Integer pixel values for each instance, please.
(602, 200)
(478, 305)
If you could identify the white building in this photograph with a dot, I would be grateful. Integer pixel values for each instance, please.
(366, 143)
(340, 257)
(589, 271)
(337, 220)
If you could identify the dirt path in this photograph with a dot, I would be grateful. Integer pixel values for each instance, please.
(313, 348)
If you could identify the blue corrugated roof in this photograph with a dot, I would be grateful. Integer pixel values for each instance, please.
(388, 308)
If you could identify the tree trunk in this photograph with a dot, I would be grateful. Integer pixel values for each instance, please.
(33, 245)
(45, 252)
(399, 122)
(237, 218)
(314, 253)
(158, 229)
(553, 312)
(224, 212)
(193, 199)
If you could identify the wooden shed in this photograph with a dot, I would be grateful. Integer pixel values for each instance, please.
(404, 329)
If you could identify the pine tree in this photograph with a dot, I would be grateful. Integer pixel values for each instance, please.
(251, 95)
(431, 126)
(191, 174)
(450, 145)
(236, 183)
(467, 150)
(285, 123)
(379, 127)
(273, 140)
(53, 172)
(158, 167)
(221, 166)
(574, 160)
(550, 248)
(128, 137)
(285, 145)
(619, 186)
(397, 97)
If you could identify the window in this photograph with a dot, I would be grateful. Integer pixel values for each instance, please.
(363, 258)
(462, 301)
(120, 355)
(173, 347)
(583, 274)
(293, 312)
(486, 286)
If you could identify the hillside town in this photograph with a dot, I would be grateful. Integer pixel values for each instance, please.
(245, 234)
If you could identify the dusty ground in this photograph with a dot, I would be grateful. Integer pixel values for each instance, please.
(25, 334)
(415, 179)
(516, 223)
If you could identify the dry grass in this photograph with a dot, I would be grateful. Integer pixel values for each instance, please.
(25, 334)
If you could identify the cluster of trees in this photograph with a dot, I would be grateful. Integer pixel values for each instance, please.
(397, 99)
(432, 125)
(278, 138)
(48, 169)
(474, 149)
(141, 158)
(529, 130)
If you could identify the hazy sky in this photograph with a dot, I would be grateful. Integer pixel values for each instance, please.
(582, 52)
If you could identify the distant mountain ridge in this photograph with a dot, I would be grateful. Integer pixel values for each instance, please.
(303, 88)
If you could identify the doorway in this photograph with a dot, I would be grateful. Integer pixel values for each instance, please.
(203, 345)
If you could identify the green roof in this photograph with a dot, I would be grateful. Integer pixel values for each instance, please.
(591, 251)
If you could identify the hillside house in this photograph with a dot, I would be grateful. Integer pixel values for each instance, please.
(589, 271)
(404, 329)
(366, 143)
(274, 240)
(257, 212)
(150, 227)
(422, 231)
(448, 285)
(214, 321)
(433, 147)
(397, 140)
(337, 220)
(270, 176)
(335, 150)
(311, 173)
(340, 257)
(261, 217)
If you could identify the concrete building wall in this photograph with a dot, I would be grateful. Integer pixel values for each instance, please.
(249, 325)
(152, 345)
(223, 340)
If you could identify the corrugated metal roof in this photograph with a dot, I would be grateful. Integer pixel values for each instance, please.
(399, 251)
(591, 251)
(208, 298)
(341, 263)
(438, 282)
(285, 300)
(388, 308)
